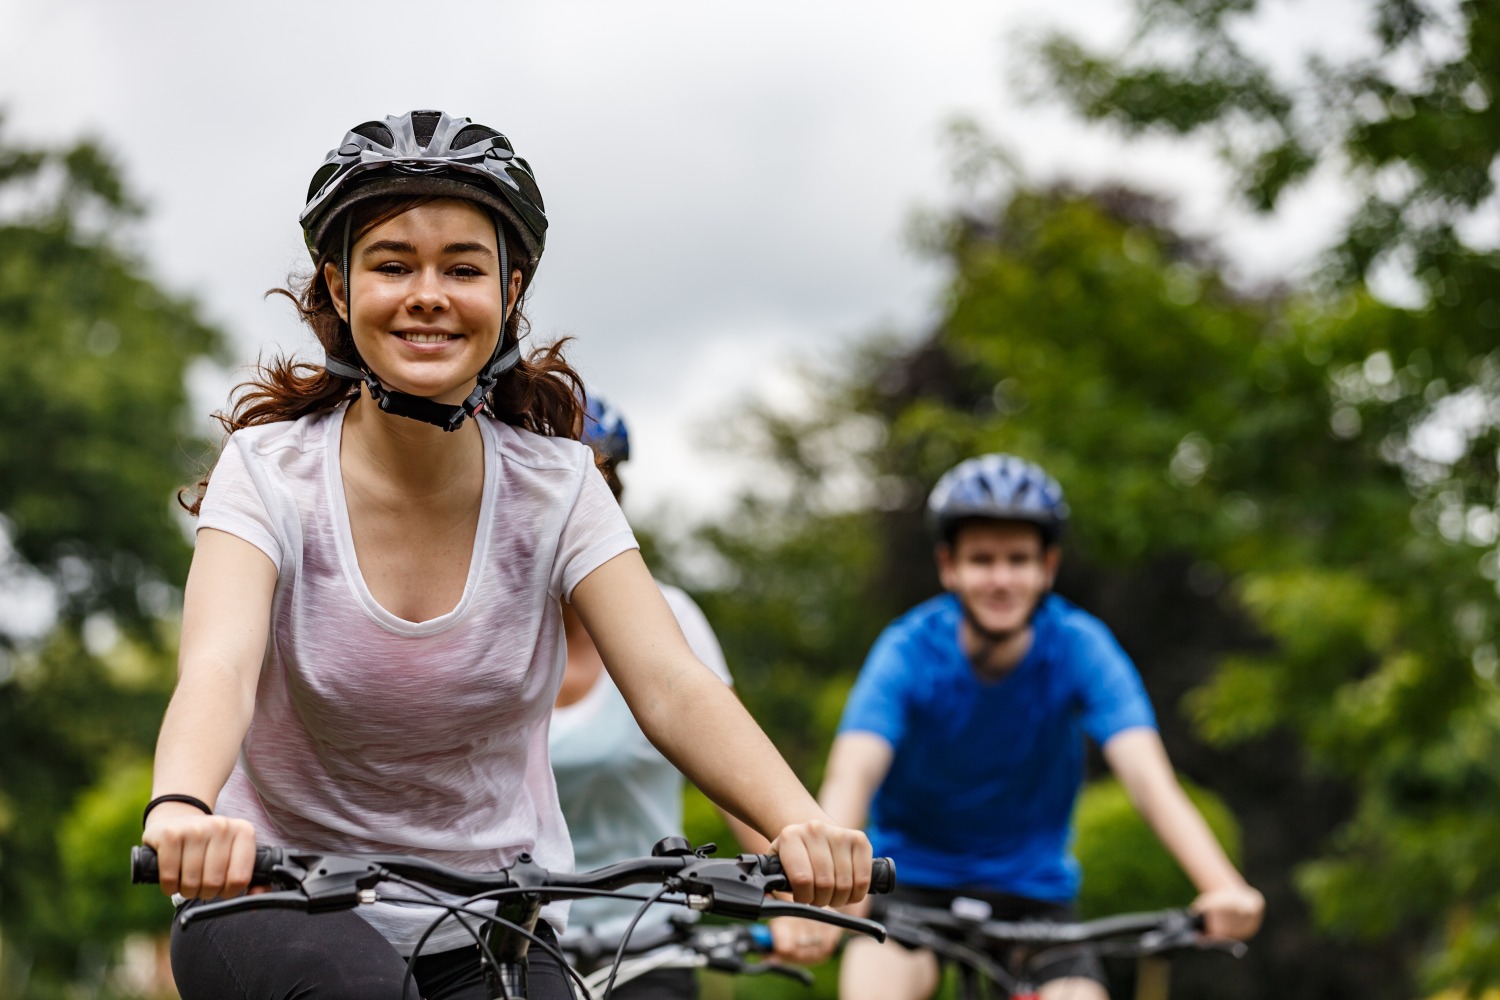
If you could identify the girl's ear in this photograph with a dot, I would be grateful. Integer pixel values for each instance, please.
(335, 281)
(511, 294)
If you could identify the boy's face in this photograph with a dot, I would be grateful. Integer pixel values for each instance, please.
(999, 570)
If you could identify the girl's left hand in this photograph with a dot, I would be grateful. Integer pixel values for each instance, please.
(824, 864)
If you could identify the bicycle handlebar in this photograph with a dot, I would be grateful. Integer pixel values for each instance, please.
(316, 882)
(975, 941)
(143, 870)
(1177, 924)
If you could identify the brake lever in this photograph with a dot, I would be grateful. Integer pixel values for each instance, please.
(1232, 946)
(776, 969)
(859, 925)
(286, 899)
(731, 887)
(1189, 933)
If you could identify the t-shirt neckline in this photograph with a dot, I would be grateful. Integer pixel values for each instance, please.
(344, 533)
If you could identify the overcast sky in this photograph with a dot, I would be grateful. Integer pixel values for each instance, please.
(727, 183)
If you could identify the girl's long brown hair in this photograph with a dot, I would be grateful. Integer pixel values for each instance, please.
(542, 393)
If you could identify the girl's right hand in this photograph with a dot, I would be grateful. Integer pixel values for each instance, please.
(198, 856)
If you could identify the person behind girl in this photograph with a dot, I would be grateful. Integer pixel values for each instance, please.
(372, 633)
(618, 793)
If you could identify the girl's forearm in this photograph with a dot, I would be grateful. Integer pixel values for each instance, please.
(200, 736)
(698, 703)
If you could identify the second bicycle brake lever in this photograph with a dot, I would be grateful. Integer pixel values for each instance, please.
(734, 887)
(775, 969)
(775, 908)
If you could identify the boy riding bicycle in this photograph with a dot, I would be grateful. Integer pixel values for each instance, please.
(962, 741)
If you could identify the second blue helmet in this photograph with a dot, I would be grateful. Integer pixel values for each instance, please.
(999, 487)
(604, 430)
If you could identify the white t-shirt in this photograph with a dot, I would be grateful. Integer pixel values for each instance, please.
(619, 794)
(375, 734)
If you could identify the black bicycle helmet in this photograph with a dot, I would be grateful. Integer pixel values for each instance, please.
(427, 153)
(998, 487)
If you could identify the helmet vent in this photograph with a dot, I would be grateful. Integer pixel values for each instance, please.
(377, 133)
(423, 124)
(470, 135)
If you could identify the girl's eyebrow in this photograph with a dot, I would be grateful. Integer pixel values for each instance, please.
(387, 246)
(380, 247)
(479, 248)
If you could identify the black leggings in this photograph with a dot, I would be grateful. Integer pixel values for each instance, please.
(289, 955)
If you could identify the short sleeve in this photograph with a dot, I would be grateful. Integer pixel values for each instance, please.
(595, 532)
(1113, 695)
(700, 635)
(235, 503)
(879, 701)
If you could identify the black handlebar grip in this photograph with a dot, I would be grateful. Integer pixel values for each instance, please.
(882, 872)
(143, 866)
(143, 869)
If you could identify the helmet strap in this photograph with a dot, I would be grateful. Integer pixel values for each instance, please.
(405, 404)
(990, 639)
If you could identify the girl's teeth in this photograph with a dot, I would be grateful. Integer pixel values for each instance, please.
(425, 338)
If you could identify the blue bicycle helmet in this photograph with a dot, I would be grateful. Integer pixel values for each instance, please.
(604, 430)
(1001, 488)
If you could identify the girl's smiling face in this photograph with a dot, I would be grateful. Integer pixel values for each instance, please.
(426, 298)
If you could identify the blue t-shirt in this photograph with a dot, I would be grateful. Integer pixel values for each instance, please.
(981, 788)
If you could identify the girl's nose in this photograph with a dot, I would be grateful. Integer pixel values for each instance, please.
(427, 292)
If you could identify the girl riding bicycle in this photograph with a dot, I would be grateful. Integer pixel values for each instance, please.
(618, 793)
(372, 624)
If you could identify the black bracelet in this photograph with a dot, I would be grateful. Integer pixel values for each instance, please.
(189, 799)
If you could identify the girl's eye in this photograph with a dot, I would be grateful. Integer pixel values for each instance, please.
(467, 271)
(391, 267)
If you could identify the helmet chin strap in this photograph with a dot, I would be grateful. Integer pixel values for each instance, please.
(993, 638)
(405, 404)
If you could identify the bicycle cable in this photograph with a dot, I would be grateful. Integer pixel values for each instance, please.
(609, 987)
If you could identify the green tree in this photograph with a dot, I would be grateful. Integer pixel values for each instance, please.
(1228, 514)
(1386, 661)
(1128, 868)
(95, 437)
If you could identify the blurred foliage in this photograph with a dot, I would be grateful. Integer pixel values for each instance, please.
(95, 437)
(1308, 588)
(1285, 498)
(1386, 661)
(1125, 866)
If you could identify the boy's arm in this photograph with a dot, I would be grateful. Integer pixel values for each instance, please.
(857, 764)
(1230, 905)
